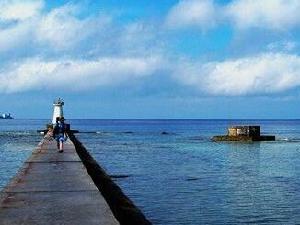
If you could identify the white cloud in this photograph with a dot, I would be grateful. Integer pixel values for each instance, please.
(64, 48)
(18, 21)
(263, 74)
(243, 14)
(118, 53)
(195, 13)
(36, 74)
(16, 37)
(140, 38)
(58, 29)
(61, 29)
(20, 9)
(269, 14)
(286, 46)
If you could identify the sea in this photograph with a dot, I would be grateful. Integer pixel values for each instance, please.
(176, 175)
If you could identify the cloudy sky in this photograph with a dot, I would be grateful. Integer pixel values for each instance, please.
(151, 59)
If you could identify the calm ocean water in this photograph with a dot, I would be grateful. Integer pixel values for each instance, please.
(181, 177)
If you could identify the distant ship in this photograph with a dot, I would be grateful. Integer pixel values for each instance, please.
(6, 116)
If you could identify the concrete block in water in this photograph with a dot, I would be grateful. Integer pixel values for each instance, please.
(243, 134)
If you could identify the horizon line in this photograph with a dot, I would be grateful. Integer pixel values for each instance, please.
(160, 118)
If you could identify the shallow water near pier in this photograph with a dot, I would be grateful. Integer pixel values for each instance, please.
(176, 175)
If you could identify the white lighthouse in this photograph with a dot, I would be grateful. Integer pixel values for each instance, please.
(57, 110)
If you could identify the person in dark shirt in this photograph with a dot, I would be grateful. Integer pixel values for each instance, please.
(59, 133)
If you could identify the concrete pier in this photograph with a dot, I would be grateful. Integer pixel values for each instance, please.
(53, 188)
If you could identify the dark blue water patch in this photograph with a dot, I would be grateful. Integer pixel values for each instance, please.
(198, 138)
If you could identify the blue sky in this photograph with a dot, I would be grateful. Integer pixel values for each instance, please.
(151, 59)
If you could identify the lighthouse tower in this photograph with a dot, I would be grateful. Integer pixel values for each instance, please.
(58, 109)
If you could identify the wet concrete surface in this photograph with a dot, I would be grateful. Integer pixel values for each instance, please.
(53, 188)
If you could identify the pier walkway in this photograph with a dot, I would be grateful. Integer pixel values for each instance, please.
(53, 188)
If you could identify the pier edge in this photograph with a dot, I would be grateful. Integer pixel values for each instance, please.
(122, 207)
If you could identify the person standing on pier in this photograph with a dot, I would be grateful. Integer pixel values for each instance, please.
(59, 133)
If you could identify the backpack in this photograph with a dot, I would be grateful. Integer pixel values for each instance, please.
(59, 128)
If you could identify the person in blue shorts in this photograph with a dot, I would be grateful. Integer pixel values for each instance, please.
(59, 133)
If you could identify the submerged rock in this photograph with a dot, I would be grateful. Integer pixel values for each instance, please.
(167, 133)
(192, 178)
